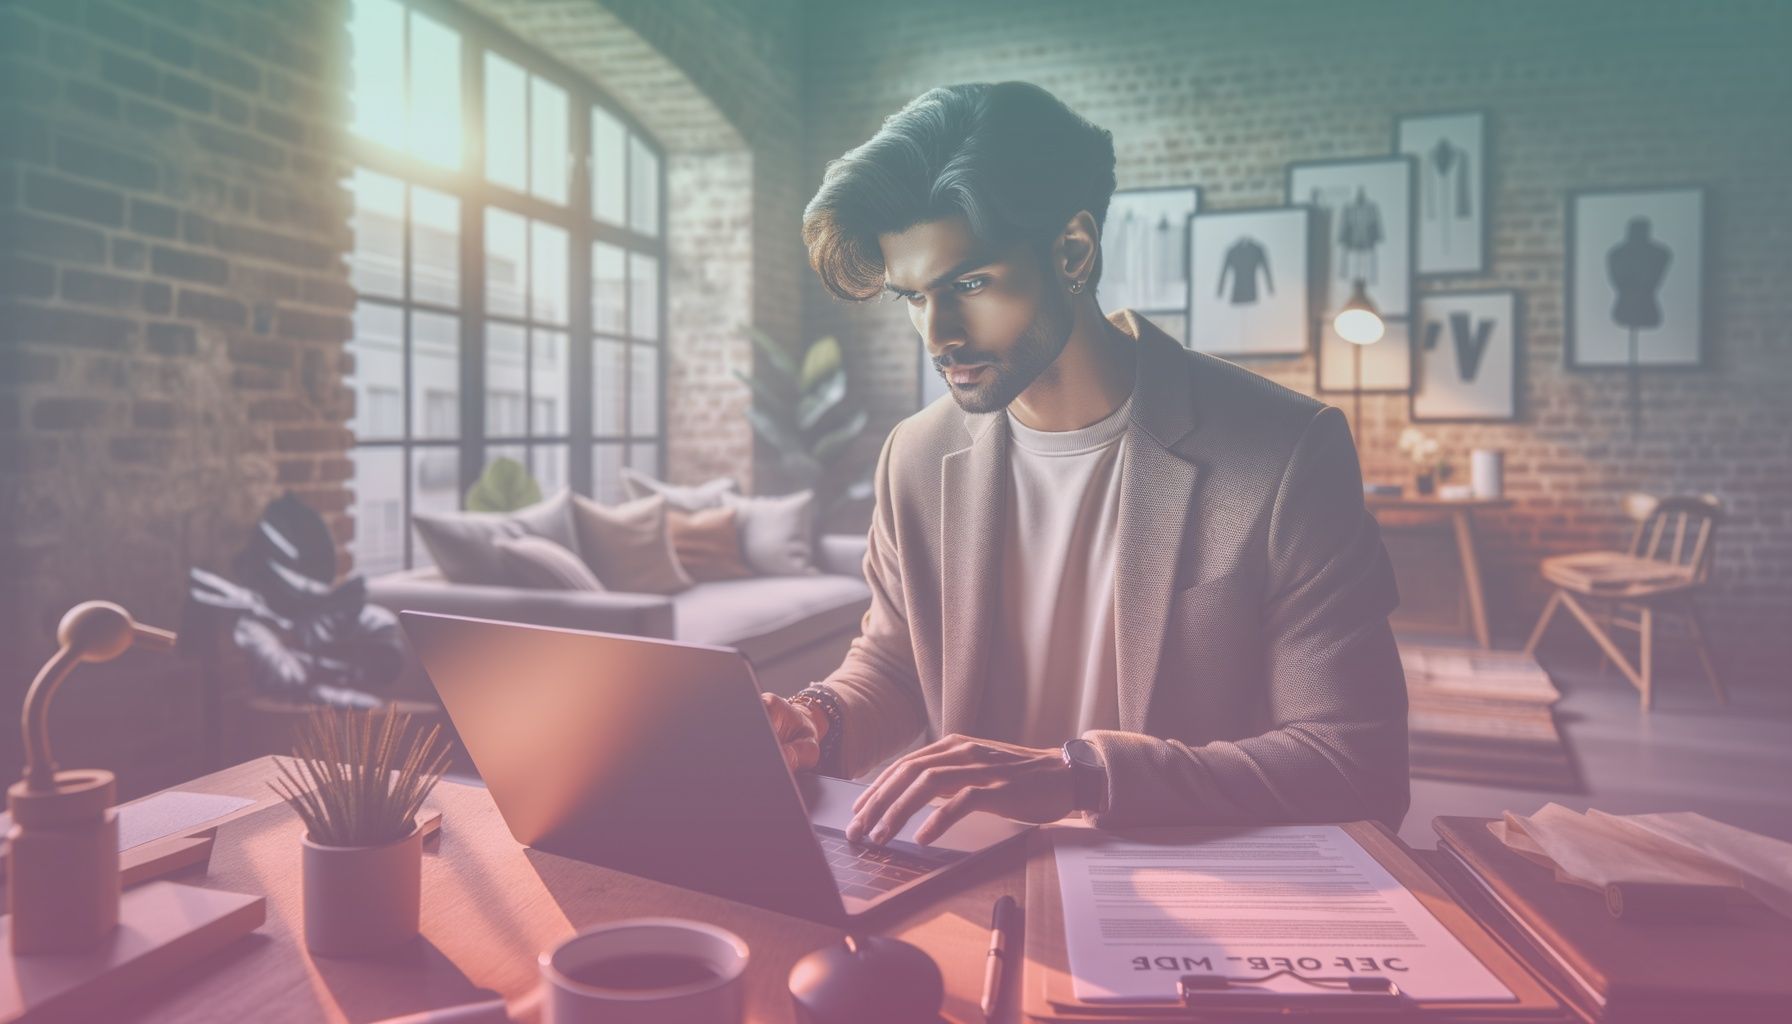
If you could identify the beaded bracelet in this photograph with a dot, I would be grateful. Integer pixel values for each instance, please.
(823, 698)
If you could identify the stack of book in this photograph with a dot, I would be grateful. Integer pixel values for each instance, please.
(1485, 717)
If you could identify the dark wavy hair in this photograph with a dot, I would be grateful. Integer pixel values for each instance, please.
(1010, 157)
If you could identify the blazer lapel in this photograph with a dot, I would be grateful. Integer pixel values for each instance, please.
(972, 493)
(1156, 500)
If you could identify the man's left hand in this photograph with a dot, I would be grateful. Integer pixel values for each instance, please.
(1023, 783)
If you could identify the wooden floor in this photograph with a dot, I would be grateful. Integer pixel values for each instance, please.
(1733, 764)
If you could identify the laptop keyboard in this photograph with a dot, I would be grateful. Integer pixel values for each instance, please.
(867, 871)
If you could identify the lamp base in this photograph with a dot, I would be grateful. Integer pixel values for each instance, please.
(62, 883)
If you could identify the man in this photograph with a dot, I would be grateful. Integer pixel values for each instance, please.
(1110, 575)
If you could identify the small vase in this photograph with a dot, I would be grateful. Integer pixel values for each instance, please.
(362, 899)
(1425, 483)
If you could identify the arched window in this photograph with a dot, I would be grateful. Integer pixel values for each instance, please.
(509, 246)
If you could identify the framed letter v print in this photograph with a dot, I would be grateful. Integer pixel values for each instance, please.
(1465, 357)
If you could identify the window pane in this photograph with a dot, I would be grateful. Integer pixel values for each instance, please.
(608, 148)
(506, 132)
(435, 91)
(547, 273)
(609, 387)
(547, 464)
(608, 289)
(606, 473)
(645, 457)
(505, 396)
(378, 512)
(378, 262)
(377, 30)
(378, 380)
(644, 296)
(435, 247)
(643, 188)
(547, 140)
(644, 390)
(547, 384)
(505, 262)
(435, 487)
(435, 375)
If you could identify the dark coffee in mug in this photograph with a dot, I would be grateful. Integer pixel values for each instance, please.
(644, 972)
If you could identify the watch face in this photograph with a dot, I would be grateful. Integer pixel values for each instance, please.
(1082, 754)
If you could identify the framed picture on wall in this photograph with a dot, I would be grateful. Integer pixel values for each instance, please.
(1144, 243)
(1363, 230)
(1465, 361)
(1387, 364)
(1450, 209)
(1247, 289)
(1636, 278)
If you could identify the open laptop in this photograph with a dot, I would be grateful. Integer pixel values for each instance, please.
(656, 758)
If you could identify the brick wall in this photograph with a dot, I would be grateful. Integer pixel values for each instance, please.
(173, 303)
(1579, 95)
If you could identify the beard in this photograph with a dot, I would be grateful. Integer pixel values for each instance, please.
(1036, 349)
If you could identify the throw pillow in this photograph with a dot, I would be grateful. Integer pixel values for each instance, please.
(540, 564)
(628, 546)
(707, 544)
(686, 499)
(776, 534)
(463, 544)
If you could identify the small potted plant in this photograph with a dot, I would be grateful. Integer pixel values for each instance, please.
(1427, 460)
(357, 780)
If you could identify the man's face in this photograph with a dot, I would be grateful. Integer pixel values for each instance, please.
(992, 319)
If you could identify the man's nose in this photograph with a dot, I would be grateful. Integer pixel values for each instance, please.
(941, 330)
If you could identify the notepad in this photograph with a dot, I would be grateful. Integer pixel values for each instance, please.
(1309, 900)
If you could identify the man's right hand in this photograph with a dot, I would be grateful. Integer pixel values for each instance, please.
(798, 732)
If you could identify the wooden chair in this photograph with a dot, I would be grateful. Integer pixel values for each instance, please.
(1657, 579)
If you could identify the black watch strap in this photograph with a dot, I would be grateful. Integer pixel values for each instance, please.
(1088, 775)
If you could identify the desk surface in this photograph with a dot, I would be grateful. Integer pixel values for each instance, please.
(490, 906)
(1428, 501)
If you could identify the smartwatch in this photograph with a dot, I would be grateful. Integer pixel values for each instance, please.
(1088, 775)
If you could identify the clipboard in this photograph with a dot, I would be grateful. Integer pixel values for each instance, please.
(1048, 993)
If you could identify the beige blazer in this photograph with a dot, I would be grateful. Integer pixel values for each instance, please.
(1258, 678)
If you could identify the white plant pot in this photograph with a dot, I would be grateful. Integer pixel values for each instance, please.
(362, 899)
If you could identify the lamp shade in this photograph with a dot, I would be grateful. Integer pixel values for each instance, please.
(1359, 322)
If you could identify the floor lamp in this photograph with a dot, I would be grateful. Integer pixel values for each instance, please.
(1358, 323)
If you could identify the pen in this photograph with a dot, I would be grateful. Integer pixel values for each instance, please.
(1001, 920)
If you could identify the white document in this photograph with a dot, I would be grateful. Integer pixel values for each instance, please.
(1139, 914)
(164, 814)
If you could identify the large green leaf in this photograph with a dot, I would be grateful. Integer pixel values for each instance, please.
(819, 401)
(768, 398)
(829, 445)
(776, 433)
(822, 359)
(779, 356)
(505, 486)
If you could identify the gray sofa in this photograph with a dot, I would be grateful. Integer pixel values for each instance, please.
(794, 629)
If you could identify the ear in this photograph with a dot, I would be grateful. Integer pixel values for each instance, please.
(1075, 252)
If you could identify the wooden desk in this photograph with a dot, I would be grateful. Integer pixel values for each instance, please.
(1460, 513)
(490, 906)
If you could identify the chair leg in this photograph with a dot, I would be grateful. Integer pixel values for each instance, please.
(1698, 639)
(1603, 639)
(1549, 611)
(1647, 657)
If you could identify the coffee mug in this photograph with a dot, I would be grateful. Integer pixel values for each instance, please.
(646, 970)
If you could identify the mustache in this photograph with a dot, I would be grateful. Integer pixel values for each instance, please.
(950, 359)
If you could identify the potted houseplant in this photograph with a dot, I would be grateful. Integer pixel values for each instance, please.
(357, 780)
(1427, 459)
(802, 410)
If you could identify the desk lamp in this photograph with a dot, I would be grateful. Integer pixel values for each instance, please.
(62, 878)
(1359, 323)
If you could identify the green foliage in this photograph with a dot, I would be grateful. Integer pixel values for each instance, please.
(801, 408)
(505, 486)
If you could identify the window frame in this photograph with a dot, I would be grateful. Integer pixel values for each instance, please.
(475, 193)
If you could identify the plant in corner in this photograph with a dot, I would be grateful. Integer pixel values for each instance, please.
(505, 486)
(801, 410)
(357, 781)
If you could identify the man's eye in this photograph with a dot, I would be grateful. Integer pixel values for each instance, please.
(971, 286)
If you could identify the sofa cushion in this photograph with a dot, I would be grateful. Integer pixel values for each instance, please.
(767, 617)
(540, 564)
(707, 544)
(463, 544)
(684, 498)
(628, 546)
(777, 535)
